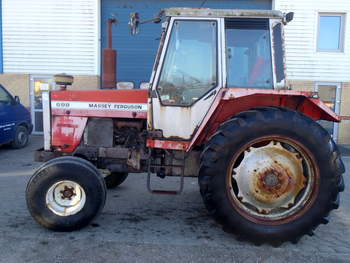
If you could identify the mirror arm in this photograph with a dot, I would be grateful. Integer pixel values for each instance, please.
(135, 21)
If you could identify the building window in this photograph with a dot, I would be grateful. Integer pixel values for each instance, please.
(331, 32)
(330, 94)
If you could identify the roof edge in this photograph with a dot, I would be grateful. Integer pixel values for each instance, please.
(207, 12)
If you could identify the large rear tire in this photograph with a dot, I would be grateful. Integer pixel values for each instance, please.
(271, 175)
(66, 194)
(115, 179)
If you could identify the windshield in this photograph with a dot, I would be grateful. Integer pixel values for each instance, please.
(249, 63)
(190, 65)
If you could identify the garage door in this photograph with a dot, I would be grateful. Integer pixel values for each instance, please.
(136, 53)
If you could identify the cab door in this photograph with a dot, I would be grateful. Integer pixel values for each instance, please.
(7, 116)
(188, 77)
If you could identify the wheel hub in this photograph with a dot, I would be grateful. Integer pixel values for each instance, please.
(269, 177)
(270, 180)
(65, 198)
(67, 193)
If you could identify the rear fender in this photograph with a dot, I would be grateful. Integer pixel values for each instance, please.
(230, 102)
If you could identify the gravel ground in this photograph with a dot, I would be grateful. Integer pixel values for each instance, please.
(136, 226)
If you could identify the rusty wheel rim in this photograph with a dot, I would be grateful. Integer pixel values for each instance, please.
(272, 180)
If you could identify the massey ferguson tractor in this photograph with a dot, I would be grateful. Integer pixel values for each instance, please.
(218, 108)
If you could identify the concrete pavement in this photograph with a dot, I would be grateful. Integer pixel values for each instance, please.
(136, 226)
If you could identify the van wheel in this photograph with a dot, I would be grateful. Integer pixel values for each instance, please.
(271, 175)
(66, 194)
(21, 137)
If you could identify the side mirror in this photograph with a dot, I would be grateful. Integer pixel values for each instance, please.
(17, 100)
(134, 23)
(288, 17)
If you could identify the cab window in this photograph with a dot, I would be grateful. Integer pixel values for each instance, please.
(249, 63)
(5, 98)
(190, 65)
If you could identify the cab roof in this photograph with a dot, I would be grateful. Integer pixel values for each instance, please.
(207, 12)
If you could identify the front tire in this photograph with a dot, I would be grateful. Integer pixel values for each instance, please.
(66, 194)
(271, 175)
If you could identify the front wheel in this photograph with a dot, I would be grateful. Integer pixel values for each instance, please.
(271, 175)
(66, 194)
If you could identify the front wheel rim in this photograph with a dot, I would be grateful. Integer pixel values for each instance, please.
(65, 198)
(272, 180)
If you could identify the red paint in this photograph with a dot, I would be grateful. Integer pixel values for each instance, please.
(170, 145)
(126, 96)
(100, 113)
(67, 132)
(69, 124)
(230, 102)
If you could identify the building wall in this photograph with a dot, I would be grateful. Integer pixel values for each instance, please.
(303, 60)
(305, 65)
(1, 67)
(49, 36)
(344, 127)
(18, 85)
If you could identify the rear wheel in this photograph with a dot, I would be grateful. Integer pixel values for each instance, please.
(66, 194)
(114, 179)
(271, 175)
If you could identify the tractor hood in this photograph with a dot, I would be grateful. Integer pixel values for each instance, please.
(100, 103)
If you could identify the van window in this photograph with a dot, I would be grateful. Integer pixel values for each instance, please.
(5, 98)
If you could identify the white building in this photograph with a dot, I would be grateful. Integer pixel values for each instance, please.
(318, 53)
(41, 38)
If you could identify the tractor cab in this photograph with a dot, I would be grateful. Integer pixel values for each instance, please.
(203, 51)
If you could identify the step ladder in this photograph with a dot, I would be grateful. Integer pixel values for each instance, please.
(161, 191)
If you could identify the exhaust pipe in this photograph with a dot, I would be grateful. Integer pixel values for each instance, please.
(109, 77)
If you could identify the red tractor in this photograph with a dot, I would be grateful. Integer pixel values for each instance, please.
(217, 108)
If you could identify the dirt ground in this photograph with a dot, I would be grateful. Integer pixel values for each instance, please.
(136, 226)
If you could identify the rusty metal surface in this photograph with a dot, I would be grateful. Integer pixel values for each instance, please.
(206, 12)
(269, 177)
(109, 76)
(167, 144)
(43, 156)
(273, 180)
